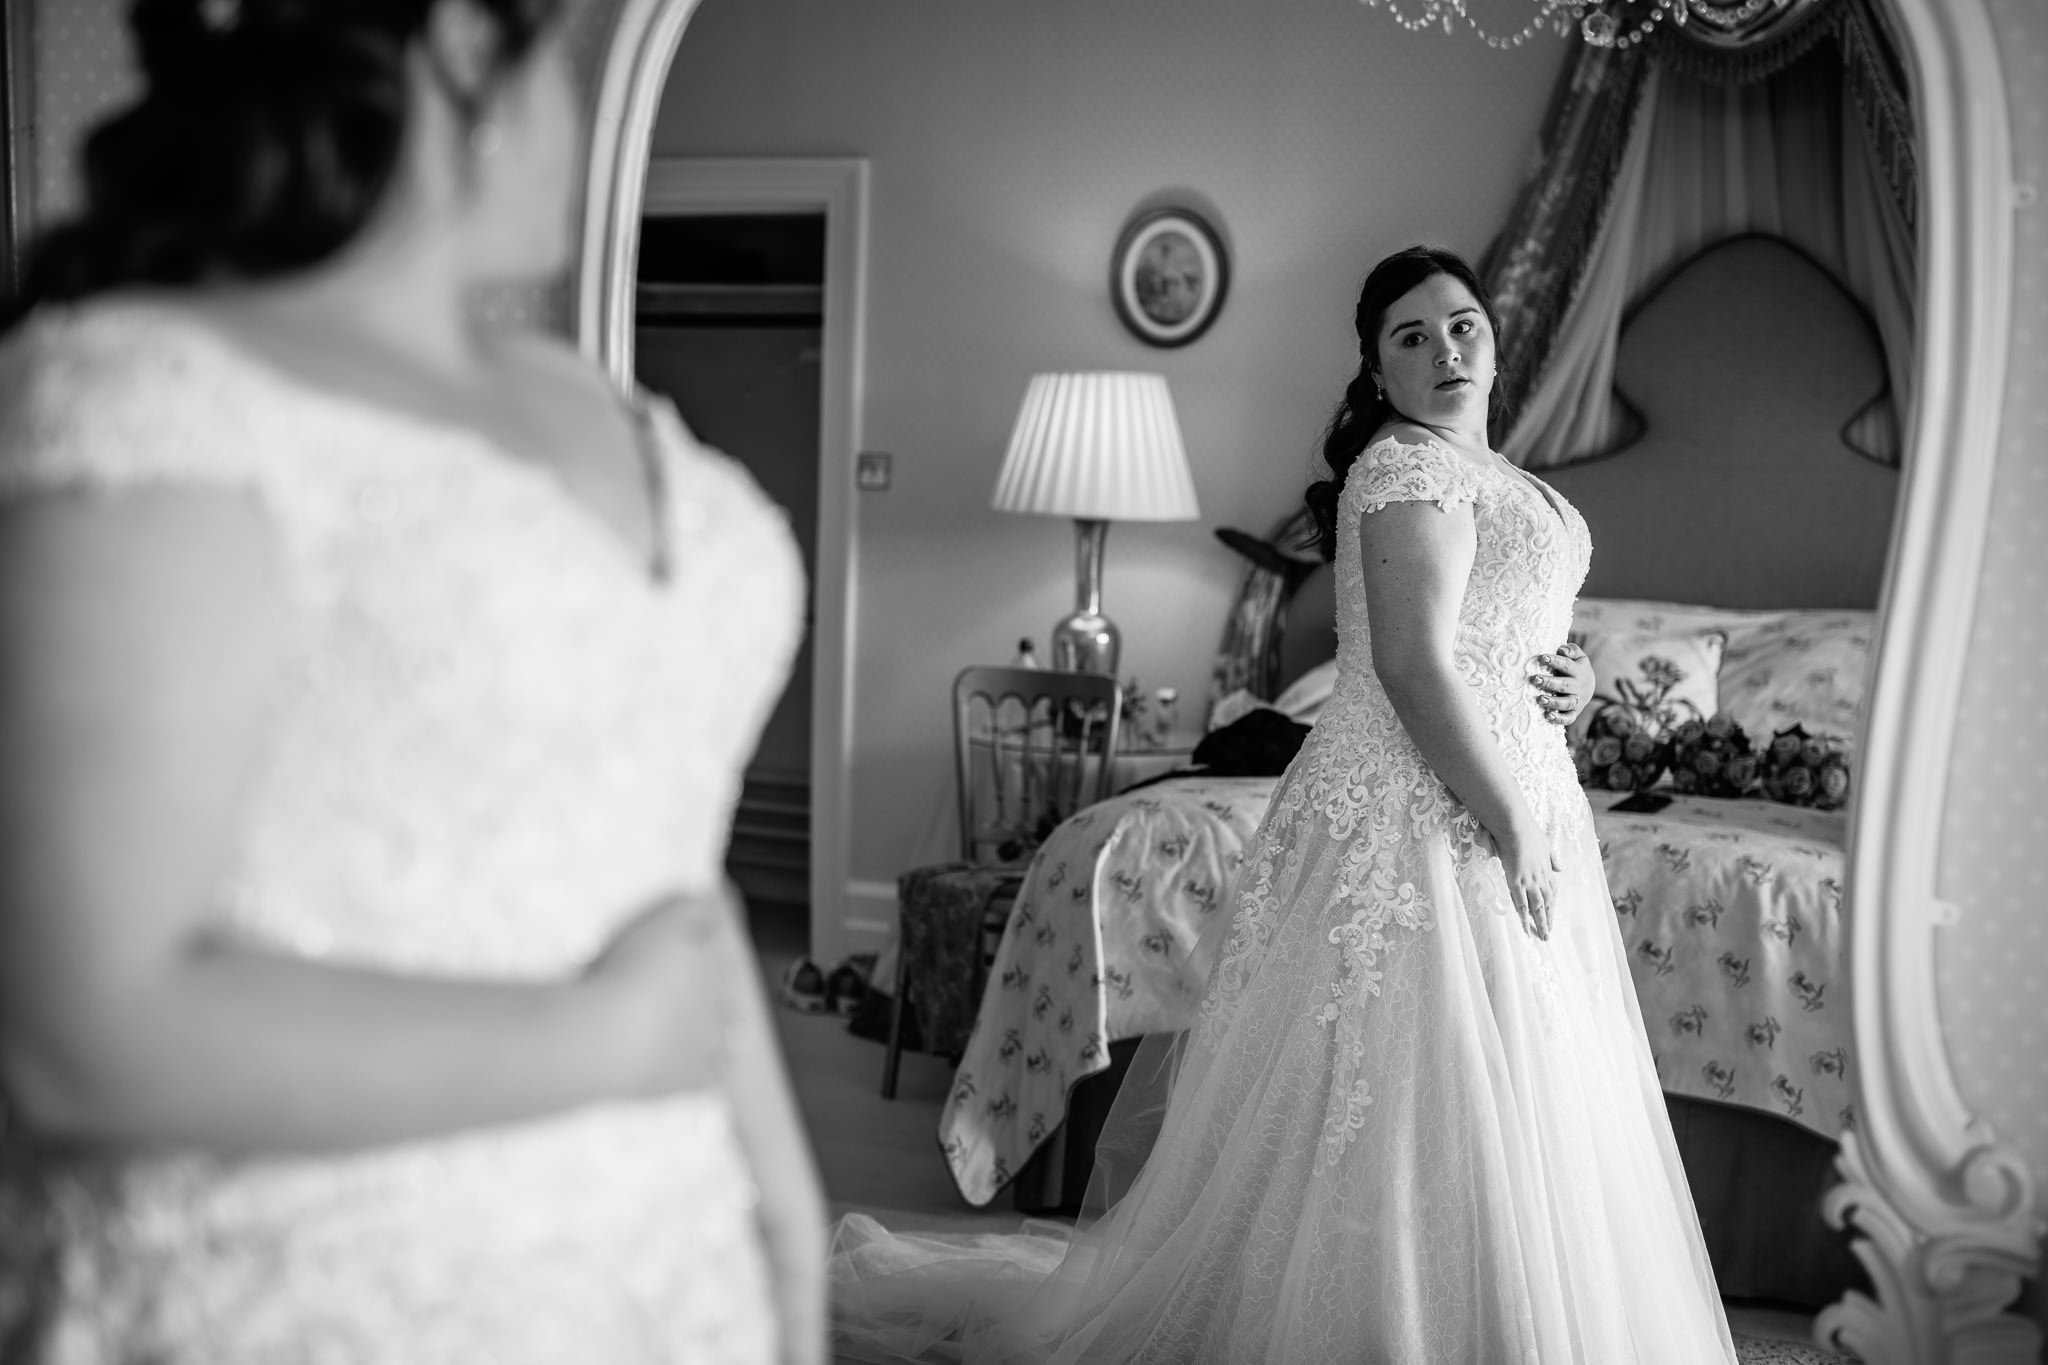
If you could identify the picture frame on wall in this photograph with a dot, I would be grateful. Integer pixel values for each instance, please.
(1168, 276)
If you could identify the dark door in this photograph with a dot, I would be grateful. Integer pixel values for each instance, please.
(728, 324)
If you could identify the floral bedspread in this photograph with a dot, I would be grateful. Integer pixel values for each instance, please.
(1730, 912)
(1099, 947)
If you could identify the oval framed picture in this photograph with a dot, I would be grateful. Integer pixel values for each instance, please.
(1168, 276)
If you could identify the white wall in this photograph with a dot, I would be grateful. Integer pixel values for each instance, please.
(1008, 143)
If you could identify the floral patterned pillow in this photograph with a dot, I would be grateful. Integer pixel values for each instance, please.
(1593, 616)
(1806, 668)
(1661, 679)
(1779, 667)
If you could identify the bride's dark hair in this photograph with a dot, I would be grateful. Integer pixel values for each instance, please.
(265, 136)
(1364, 409)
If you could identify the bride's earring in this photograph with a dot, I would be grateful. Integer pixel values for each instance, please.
(1378, 389)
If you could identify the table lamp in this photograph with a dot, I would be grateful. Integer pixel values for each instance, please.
(1097, 447)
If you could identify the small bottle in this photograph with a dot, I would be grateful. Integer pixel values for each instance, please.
(1026, 657)
(1165, 709)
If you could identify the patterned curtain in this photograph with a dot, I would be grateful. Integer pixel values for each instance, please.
(1650, 156)
(1537, 265)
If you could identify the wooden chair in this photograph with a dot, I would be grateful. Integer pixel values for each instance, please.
(1030, 747)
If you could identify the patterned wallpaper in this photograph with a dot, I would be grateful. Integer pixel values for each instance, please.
(1993, 966)
(82, 70)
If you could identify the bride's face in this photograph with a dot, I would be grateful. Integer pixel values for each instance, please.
(1436, 354)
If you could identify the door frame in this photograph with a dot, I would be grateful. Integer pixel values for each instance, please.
(837, 188)
(17, 139)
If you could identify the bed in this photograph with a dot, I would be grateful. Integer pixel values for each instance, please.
(1732, 911)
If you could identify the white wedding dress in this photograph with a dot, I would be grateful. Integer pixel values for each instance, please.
(1404, 1130)
(502, 736)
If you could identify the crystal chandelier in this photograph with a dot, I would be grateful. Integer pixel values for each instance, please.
(1603, 23)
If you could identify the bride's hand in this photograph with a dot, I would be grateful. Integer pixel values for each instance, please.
(1563, 680)
(1532, 867)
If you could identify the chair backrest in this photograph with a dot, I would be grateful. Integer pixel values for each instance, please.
(1031, 746)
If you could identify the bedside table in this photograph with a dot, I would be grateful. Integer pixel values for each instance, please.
(1135, 764)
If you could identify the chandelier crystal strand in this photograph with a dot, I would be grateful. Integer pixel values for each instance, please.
(1599, 27)
(1555, 15)
(1595, 20)
(1727, 18)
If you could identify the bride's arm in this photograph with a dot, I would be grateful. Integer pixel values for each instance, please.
(1416, 558)
(792, 1208)
(141, 651)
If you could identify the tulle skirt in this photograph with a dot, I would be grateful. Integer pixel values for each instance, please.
(1469, 1164)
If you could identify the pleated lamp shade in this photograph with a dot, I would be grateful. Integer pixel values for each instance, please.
(1097, 446)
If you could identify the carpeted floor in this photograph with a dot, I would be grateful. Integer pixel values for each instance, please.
(881, 1157)
(1757, 1351)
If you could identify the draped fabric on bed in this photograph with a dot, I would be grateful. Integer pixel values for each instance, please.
(1650, 155)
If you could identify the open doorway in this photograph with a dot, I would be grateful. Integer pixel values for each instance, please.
(677, 190)
(728, 322)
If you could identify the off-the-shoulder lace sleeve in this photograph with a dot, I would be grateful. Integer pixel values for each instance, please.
(106, 399)
(1392, 470)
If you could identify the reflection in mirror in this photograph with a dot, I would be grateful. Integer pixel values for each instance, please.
(1752, 565)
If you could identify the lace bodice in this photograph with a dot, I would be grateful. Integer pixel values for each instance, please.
(499, 736)
(1360, 791)
(1531, 554)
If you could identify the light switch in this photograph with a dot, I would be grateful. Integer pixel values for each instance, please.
(871, 471)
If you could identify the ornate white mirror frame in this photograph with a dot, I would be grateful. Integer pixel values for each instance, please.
(635, 68)
(1943, 1216)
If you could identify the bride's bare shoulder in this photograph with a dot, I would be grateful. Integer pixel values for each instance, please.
(1402, 437)
(1406, 433)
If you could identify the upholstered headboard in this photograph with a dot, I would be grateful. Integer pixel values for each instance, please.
(1745, 364)
(1741, 492)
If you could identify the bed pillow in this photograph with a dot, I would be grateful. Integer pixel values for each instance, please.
(1805, 668)
(1629, 615)
(1304, 697)
(1662, 678)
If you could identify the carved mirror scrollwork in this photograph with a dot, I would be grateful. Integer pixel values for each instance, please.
(1943, 1217)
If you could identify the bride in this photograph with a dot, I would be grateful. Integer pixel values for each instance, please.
(1417, 1120)
(375, 688)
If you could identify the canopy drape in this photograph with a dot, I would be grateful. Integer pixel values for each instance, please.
(1652, 154)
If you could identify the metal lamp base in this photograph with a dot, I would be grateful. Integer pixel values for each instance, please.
(1087, 641)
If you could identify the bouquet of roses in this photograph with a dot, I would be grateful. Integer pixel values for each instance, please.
(1806, 770)
(1713, 757)
(1620, 753)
